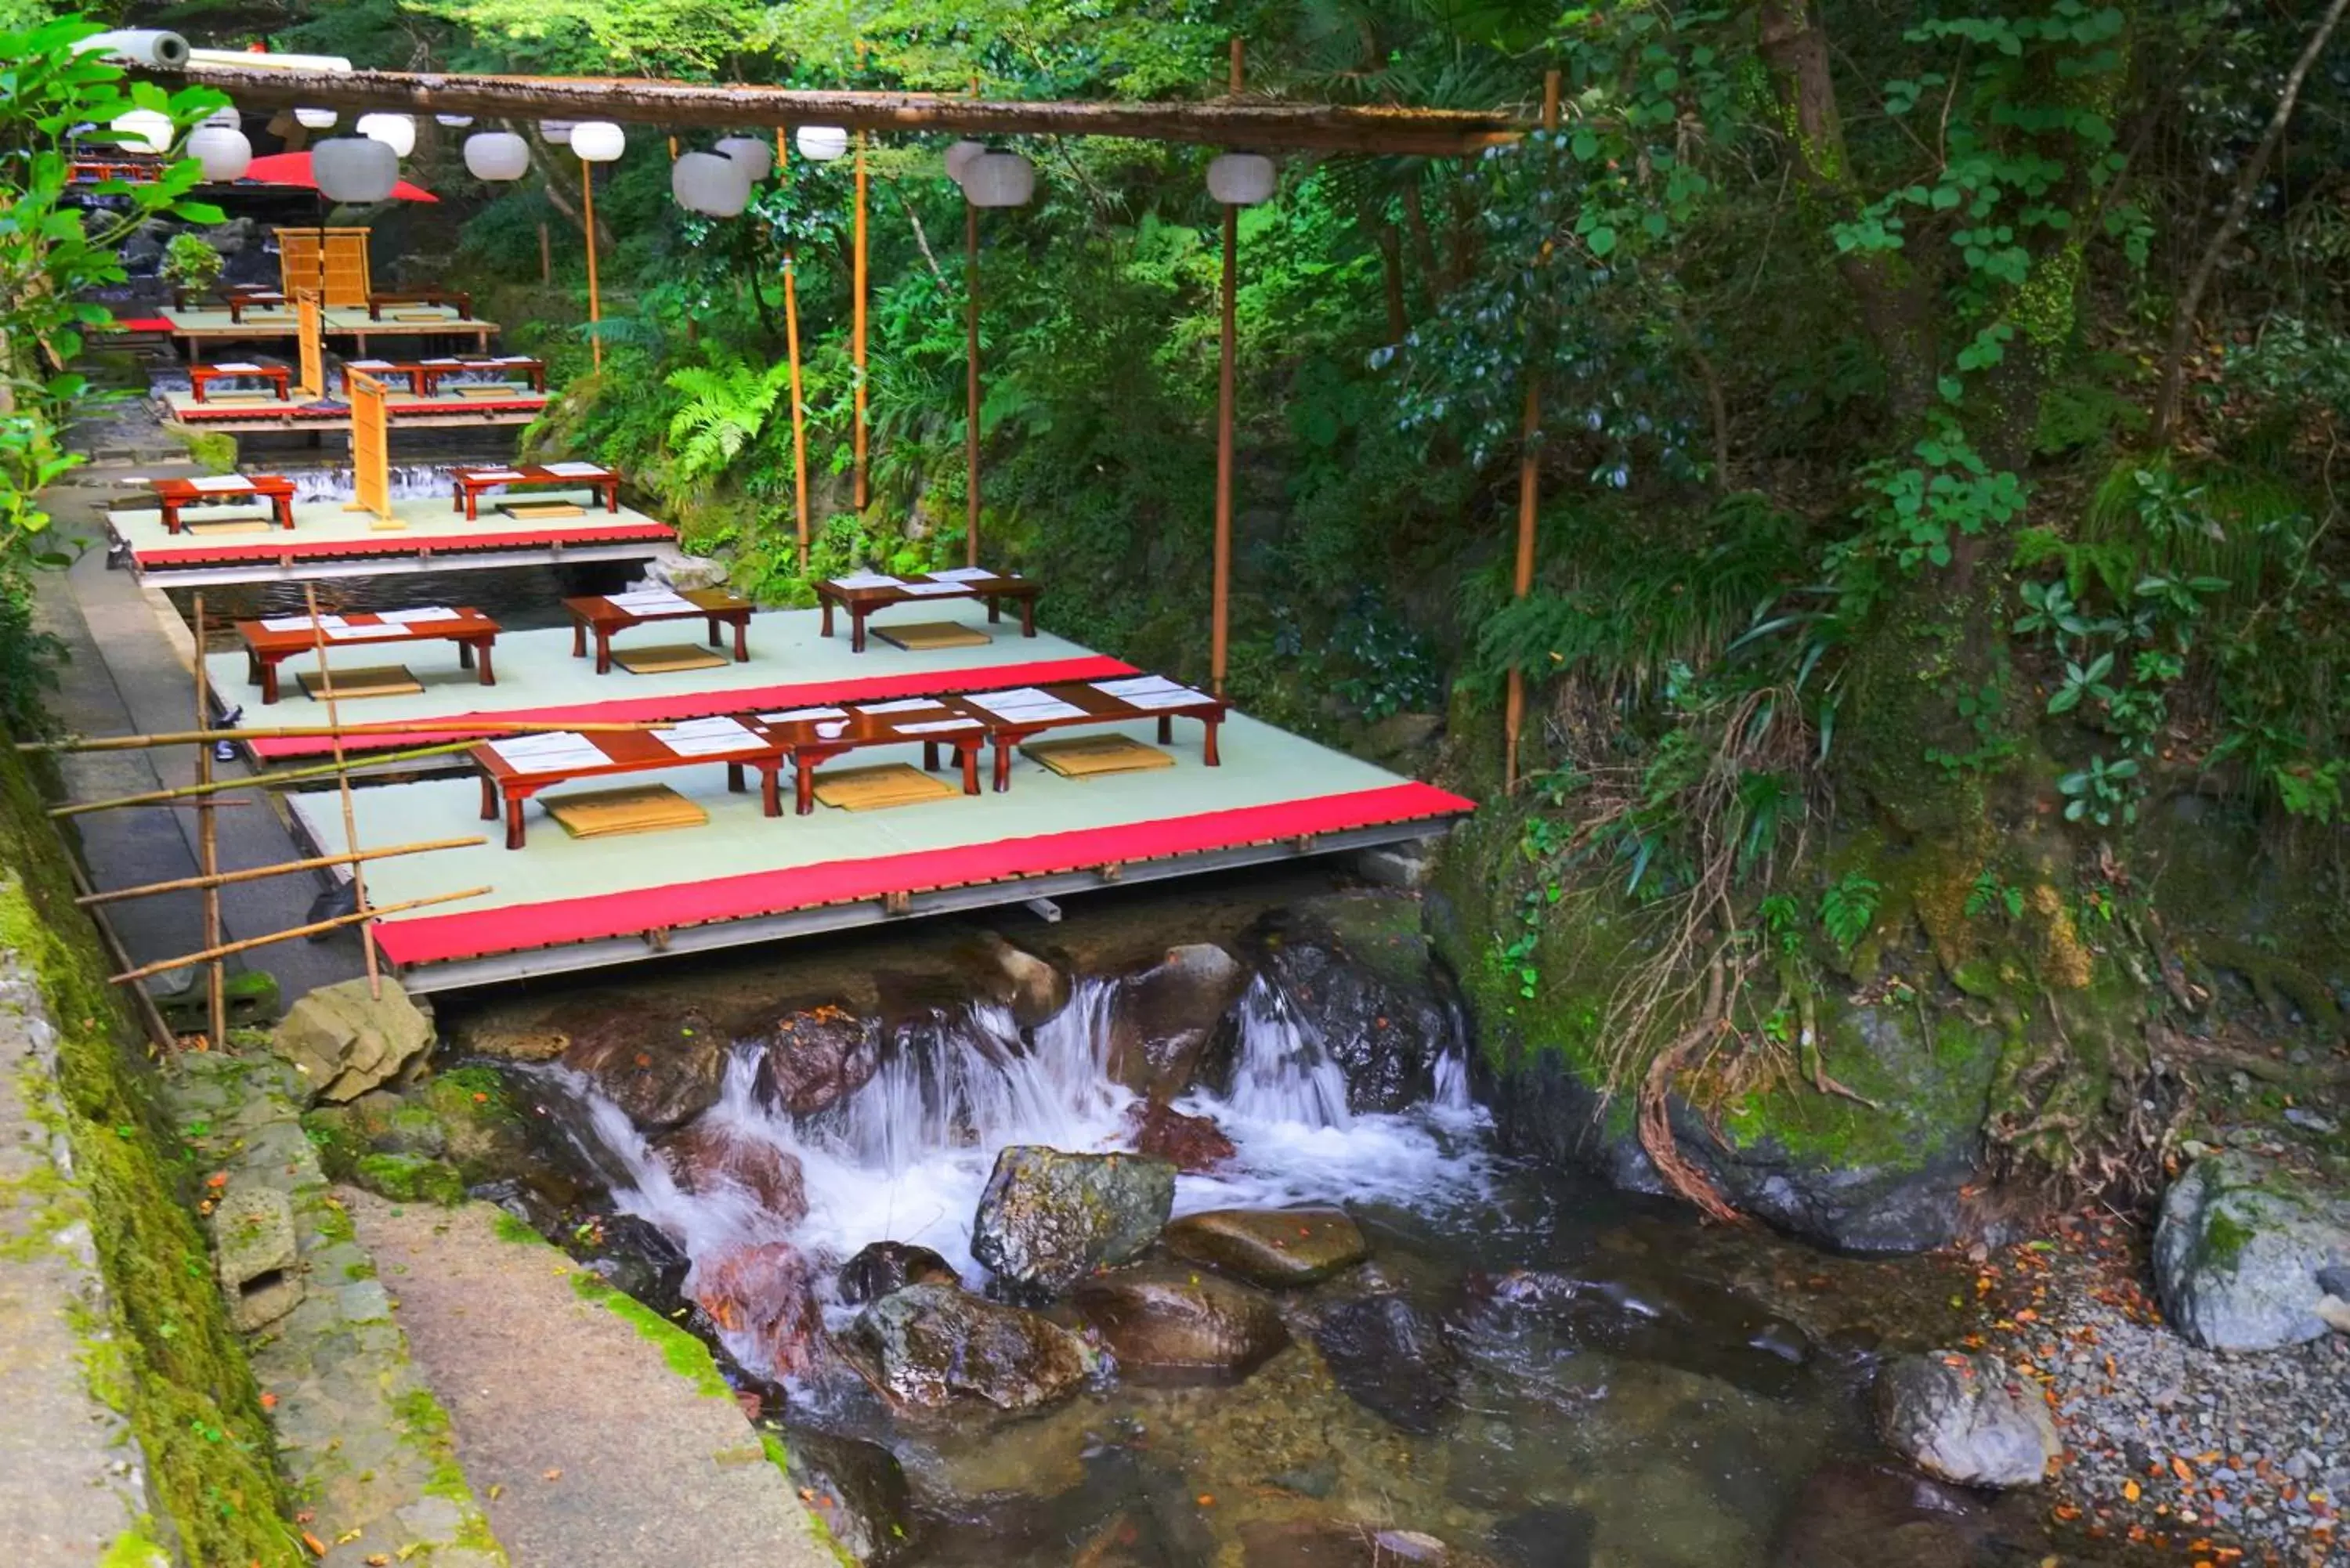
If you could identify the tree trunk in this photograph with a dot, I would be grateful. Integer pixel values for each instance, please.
(1390, 244)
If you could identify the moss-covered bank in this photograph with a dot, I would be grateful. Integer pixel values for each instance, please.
(169, 1362)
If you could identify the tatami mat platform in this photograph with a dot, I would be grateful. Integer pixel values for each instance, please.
(267, 412)
(213, 324)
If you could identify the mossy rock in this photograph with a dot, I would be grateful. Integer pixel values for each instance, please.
(407, 1178)
(212, 451)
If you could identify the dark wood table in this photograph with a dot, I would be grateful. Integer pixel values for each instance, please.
(234, 298)
(810, 746)
(280, 379)
(1096, 707)
(472, 482)
(599, 615)
(458, 298)
(861, 602)
(265, 650)
(424, 376)
(172, 494)
(506, 787)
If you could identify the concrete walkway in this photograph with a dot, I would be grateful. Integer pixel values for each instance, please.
(589, 1449)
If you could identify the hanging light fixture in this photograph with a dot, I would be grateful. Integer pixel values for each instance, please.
(228, 117)
(556, 130)
(821, 143)
(225, 150)
(709, 183)
(958, 158)
(454, 121)
(999, 180)
(315, 119)
(751, 154)
(497, 155)
(598, 141)
(144, 130)
(1241, 178)
(397, 132)
(355, 169)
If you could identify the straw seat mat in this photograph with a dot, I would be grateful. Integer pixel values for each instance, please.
(637, 808)
(1090, 756)
(666, 658)
(231, 525)
(486, 389)
(368, 681)
(878, 788)
(918, 635)
(532, 511)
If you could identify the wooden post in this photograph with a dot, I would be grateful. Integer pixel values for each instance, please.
(863, 487)
(208, 848)
(792, 349)
(343, 782)
(595, 305)
(1513, 712)
(1219, 615)
(970, 381)
(546, 255)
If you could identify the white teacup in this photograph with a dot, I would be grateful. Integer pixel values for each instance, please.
(833, 729)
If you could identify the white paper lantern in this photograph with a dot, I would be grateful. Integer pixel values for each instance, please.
(228, 117)
(397, 132)
(598, 141)
(354, 169)
(144, 130)
(315, 119)
(454, 121)
(958, 159)
(497, 155)
(1241, 178)
(751, 153)
(223, 151)
(559, 131)
(820, 143)
(708, 183)
(999, 180)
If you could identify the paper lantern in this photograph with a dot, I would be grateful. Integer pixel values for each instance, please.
(999, 180)
(751, 153)
(497, 155)
(144, 130)
(454, 121)
(559, 131)
(228, 117)
(598, 141)
(315, 119)
(820, 143)
(958, 159)
(397, 132)
(223, 151)
(354, 169)
(1241, 178)
(708, 183)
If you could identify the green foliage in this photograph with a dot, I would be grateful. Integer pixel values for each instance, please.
(1848, 908)
(191, 261)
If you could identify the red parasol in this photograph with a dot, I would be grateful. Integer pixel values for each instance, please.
(293, 168)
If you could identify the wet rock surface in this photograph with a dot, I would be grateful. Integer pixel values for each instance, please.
(1164, 1019)
(762, 1294)
(2240, 1249)
(1196, 1145)
(710, 1156)
(1270, 1246)
(1967, 1419)
(1859, 1515)
(883, 1268)
(931, 1344)
(1034, 988)
(819, 1056)
(858, 1490)
(1165, 1323)
(1048, 1218)
(662, 1070)
(1358, 973)
(1391, 1359)
(1648, 1315)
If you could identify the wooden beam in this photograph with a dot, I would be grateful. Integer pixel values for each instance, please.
(1324, 127)
(1220, 614)
(208, 828)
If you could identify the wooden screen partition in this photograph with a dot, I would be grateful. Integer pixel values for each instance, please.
(370, 445)
(308, 312)
(340, 272)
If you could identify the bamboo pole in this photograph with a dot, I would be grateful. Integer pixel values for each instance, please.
(208, 848)
(77, 744)
(313, 928)
(595, 301)
(863, 487)
(259, 781)
(1219, 616)
(970, 381)
(343, 787)
(1514, 710)
(792, 347)
(262, 873)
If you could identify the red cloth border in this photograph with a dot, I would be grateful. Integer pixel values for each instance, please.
(141, 324)
(434, 939)
(396, 544)
(703, 704)
(195, 414)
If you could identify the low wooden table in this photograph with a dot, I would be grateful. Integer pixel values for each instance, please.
(861, 600)
(599, 615)
(810, 747)
(234, 300)
(279, 377)
(266, 650)
(1095, 707)
(172, 494)
(507, 788)
(424, 376)
(458, 298)
(472, 482)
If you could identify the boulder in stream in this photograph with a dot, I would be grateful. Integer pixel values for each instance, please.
(1034, 988)
(930, 1344)
(2240, 1251)
(760, 1293)
(881, 1268)
(1855, 1515)
(1196, 1144)
(1166, 1324)
(1966, 1420)
(819, 1056)
(1357, 971)
(1047, 1219)
(1270, 1246)
(662, 1069)
(1164, 1018)
(710, 1155)
(1392, 1360)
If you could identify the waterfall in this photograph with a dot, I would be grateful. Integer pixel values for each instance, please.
(1285, 1074)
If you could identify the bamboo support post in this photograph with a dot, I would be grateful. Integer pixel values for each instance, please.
(208, 848)
(792, 349)
(1219, 616)
(587, 224)
(320, 732)
(1514, 710)
(343, 787)
(261, 873)
(863, 486)
(260, 781)
(313, 928)
(970, 381)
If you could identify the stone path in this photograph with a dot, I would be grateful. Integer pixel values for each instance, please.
(591, 1451)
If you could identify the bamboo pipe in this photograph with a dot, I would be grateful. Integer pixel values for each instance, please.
(792, 347)
(343, 777)
(319, 731)
(863, 489)
(971, 383)
(259, 781)
(1514, 710)
(595, 302)
(208, 848)
(313, 928)
(262, 873)
(1219, 615)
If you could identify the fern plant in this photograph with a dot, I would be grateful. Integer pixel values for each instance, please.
(726, 406)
